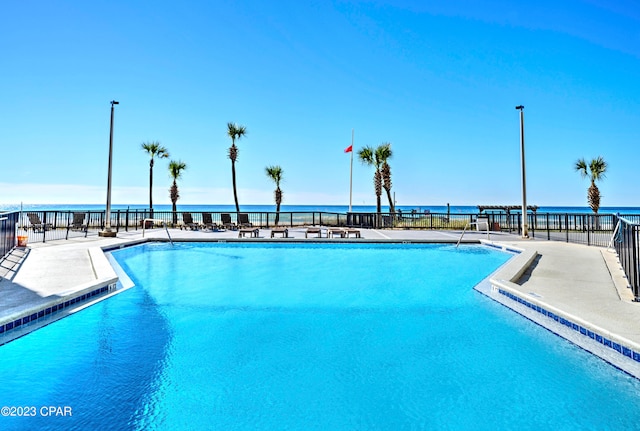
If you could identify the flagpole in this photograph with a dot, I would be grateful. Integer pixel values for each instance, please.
(351, 174)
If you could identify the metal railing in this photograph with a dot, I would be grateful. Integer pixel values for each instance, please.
(8, 223)
(42, 226)
(589, 229)
(627, 243)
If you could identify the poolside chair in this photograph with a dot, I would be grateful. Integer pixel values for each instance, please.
(482, 224)
(207, 222)
(243, 220)
(333, 231)
(348, 232)
(280, 230)
(187, 222)
(252, 231)
(78, 224)
(225, 218)
(313, 230)
(36, 223)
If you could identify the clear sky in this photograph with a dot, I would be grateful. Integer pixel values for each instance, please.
(439, 80)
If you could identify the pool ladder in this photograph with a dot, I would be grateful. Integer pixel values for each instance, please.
(164, 224)
(477, 223)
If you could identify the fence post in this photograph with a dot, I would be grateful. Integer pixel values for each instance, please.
(532, 224)
(44, 226)
(634, 281)
(548, 229)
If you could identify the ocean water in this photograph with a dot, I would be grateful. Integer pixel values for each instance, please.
(454, 209)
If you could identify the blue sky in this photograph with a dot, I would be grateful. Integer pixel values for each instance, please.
(439, 80)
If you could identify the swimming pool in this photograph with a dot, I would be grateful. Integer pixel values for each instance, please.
(308, 336)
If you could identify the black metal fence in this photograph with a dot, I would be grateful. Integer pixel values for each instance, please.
(627, 243)
(42, 226)
(589, 229)
(8, 222)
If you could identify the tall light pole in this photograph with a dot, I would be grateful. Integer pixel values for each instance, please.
(525, 230)
(107, 232)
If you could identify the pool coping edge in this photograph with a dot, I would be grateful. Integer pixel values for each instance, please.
(612, 348)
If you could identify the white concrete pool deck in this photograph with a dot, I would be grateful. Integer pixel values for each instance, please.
(582, 282)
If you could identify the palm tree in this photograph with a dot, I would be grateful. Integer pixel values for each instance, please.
(382, 176)
(275, 173)
(367, 156)
(154, 149)
(234, 131)
(596, 170)
(175, 171)
(383, 152)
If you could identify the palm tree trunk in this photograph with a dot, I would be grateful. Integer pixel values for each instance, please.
(278, 202)
(385, 172)
(151, 188)
(233, 179)
(593, 196)
(377, 184)
(392, 208)
(174, 199)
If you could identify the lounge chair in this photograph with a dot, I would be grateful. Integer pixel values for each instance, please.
(333, 231)
(313, 230)
(482, 224)
(207, 222)
(187, 222)
(355, 232)
(225, 218)
(36, 223)
(280, 230)
(243, 220)
(78, 224)
(252, 231)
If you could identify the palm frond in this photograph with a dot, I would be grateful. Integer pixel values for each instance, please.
(275, 173)
(383, 153)
(598, 168)
(581, 166)
(366, 155)
(154, 149)
(176, 168)
(235, 131)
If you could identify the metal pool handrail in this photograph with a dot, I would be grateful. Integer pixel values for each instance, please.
(164, 224)
(470, 224)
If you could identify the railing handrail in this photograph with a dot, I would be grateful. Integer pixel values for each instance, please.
(626, 220)
(152, 220)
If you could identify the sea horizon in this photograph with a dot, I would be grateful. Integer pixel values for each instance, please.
(454, 209)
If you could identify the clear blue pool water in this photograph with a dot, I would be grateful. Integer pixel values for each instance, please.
(309, 337)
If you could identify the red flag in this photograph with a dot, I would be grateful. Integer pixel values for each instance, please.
(348, 149)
